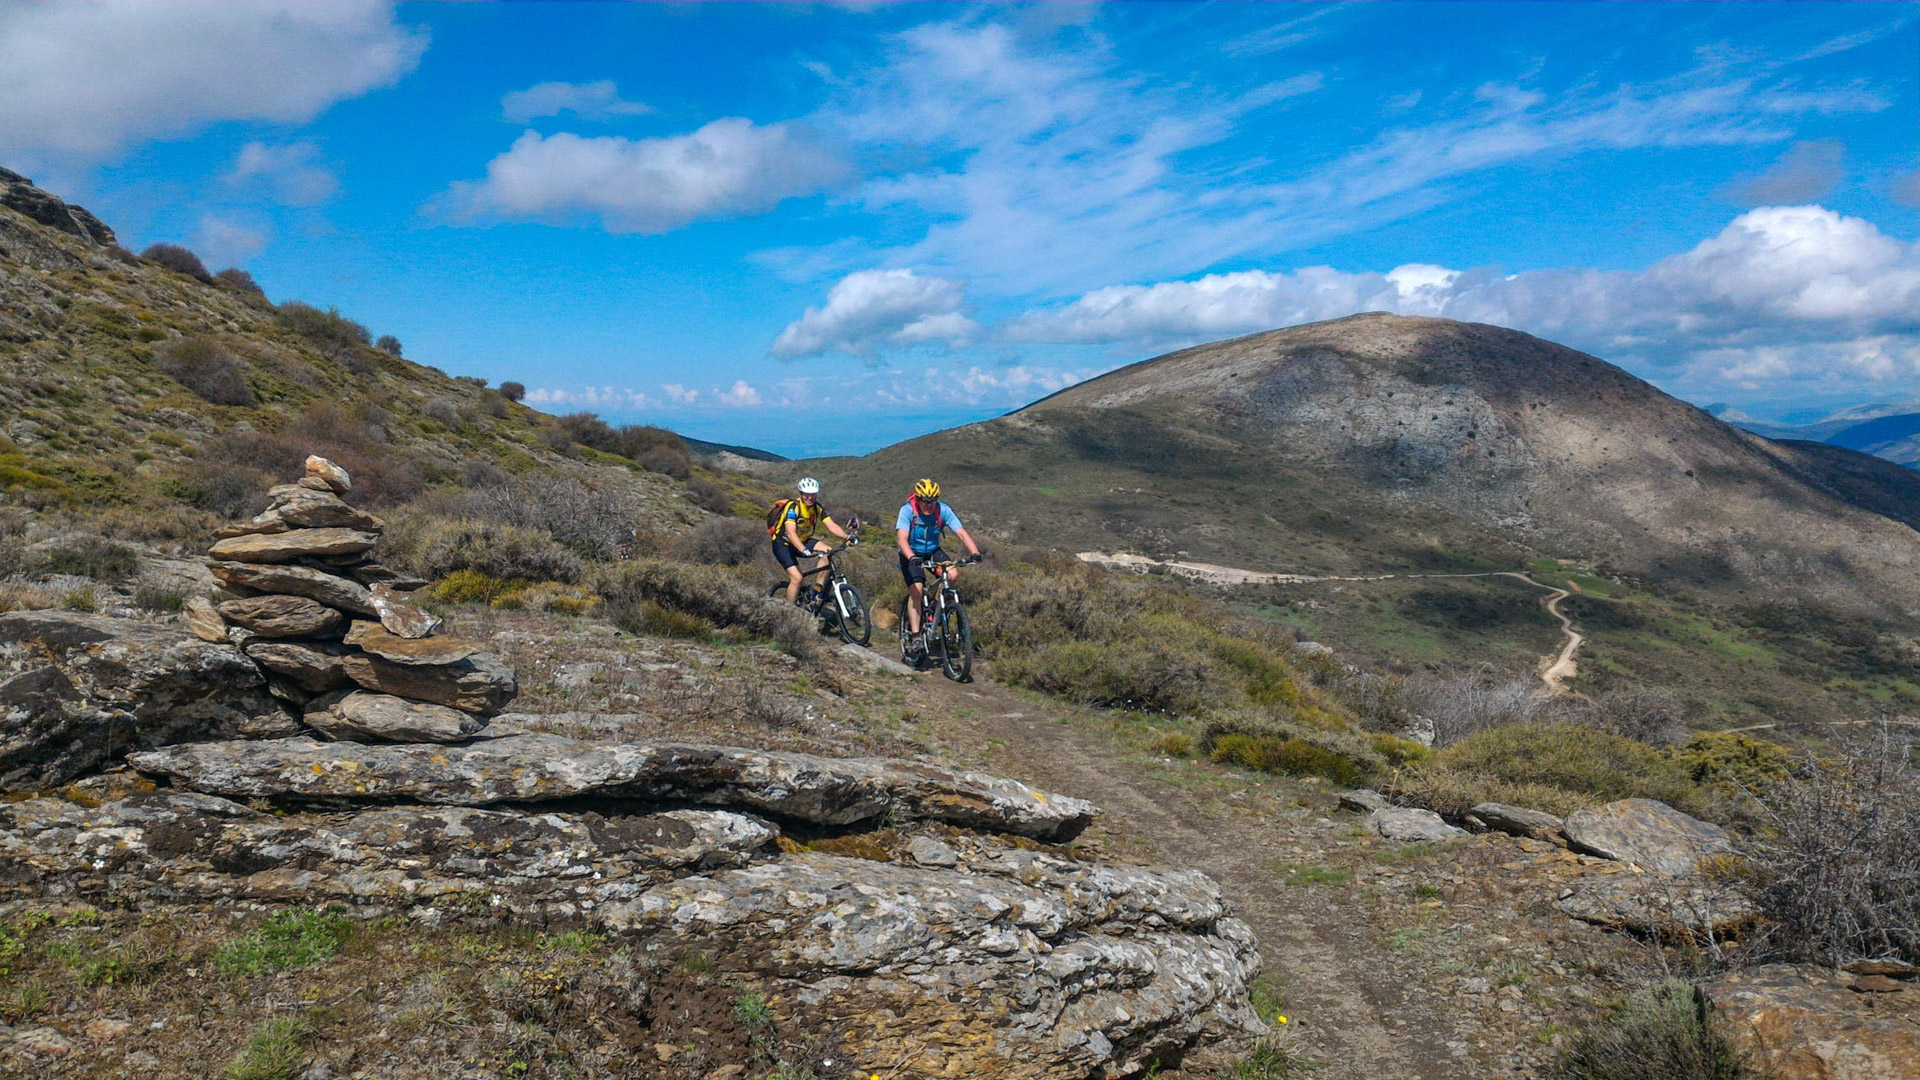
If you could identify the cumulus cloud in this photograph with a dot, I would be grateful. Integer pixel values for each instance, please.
(729, 168)
(679, 394)
(741, 395)
(83, 81)
(588, 397)
(1806, 172)
(869, 310)
(1782, 292)
(589, 101)
(222, 239)
(290, 171)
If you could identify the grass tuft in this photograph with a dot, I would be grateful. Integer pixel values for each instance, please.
(290, 939)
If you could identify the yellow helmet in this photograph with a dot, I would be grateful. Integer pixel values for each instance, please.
(927, 489)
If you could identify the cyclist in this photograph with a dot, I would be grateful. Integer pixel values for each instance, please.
(795, 523)
(917, 529)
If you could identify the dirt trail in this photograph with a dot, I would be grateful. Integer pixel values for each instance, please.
(1554, 670)
(1353, 1013)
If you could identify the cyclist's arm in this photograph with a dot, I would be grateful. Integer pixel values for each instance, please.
(972, 548)
(900, 538)
(792, 531)
(835, 528)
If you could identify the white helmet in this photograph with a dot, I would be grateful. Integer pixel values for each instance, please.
(809, 486)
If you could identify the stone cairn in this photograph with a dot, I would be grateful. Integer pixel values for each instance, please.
(332, 630)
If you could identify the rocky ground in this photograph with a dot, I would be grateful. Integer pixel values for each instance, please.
(594, 886)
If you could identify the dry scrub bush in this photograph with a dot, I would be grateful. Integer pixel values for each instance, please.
(590, 520)
(333, 334)
(726, 541)
(702, 592)
(435, 547)
(1067, 629)
(390, 345)
(1460, 705)
(179, 260)
(1558, 768)
(444, 411)
(92, 557)
(513, 391)
(1653, 716)
(202, 366)
(239, 280)
(1661, 1032)
(1838, 855)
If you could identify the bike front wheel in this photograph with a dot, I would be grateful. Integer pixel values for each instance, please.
(851, 615)
(956, 643)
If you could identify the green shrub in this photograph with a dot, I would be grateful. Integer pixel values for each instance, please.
(276, 1048)
(290, 939)
(94, 557)
(149, 597)
(1662, 1032)
(1293, 757)
(202, 366)
(513, 391)
(661, 621)
(1734, 758)
(390, 345)
(81, 600)
(332, 333)
(239, 280)
(473, 587)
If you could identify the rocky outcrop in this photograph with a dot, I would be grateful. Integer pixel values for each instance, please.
(1020, 966)
(17, 193)
(1657, 905)
(537, 768)
(1807, 1024)
(77, 691)
(482, 683)
(1646, 833)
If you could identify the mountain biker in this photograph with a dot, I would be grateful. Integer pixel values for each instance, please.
(793, 533)
(917, 529)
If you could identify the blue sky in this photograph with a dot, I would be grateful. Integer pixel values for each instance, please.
(908, 215)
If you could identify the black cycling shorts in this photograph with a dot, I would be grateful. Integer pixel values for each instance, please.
(784, 554)
(915, 573)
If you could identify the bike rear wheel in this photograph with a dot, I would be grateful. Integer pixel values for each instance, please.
(850, 614)
(956, 643)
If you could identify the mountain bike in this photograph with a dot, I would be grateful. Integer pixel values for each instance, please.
(834, 600)
(944, 627)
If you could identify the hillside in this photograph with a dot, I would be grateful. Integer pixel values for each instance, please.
(1890, 431)
(153, 401)
(1380, 444)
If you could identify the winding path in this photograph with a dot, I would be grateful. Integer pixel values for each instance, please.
(1554, 670)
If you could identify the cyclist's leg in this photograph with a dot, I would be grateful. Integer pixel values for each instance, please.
(783, 554)
(916, 579)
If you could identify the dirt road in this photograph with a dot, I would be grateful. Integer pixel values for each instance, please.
(1554, 670)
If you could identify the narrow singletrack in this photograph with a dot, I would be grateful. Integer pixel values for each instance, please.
(1554, 670)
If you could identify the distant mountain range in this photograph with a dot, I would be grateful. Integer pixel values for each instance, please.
(1889, 430)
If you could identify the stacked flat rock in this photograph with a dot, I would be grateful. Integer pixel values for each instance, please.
(332, 629)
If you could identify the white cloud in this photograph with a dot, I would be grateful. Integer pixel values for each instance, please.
(728, 168)
(1046, 169)
(1781, 293)
(588, 397)
(83, 81)
(223, 240)
(289, 171)
(589, 101)
(872, 309)
(679, 394)
(740, 395)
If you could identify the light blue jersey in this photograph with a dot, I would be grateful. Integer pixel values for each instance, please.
(923, 531)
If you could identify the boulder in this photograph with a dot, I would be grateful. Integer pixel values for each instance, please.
(330, 589)
(283, 616)
(1406, 824)
(332, 475)
(314, 666)
(363, 717)
(1656, 905)
(77, 691)
(410, 651)
(185, 846)
(481, 683)
(1363, 801)
(1801, 1023)
(304, 508)
(293, 544)
(1646, 833)
(398, 615)
(538, 768)
(1031, 969)
(1519, 821)
(203, 620)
